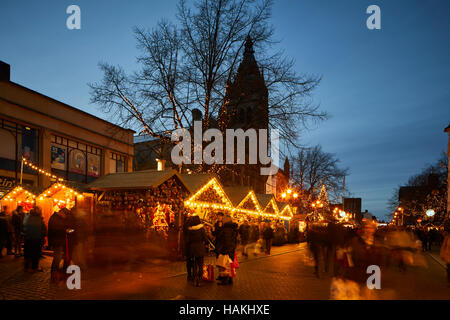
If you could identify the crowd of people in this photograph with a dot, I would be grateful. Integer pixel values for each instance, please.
(65, 236)
(223, 238)
(346, 251)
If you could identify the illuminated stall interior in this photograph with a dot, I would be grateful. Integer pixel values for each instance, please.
(209, 200)
(247, 208)
(56, 197)
(19, 196)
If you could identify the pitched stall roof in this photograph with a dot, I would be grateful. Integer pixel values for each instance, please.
(285, 210)
(135, 180)
(195, 181)
(236, 194)
(193, 201)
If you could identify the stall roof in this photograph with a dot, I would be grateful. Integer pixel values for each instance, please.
(195, 181)
(236, 194)
(134, 180)
(264, 199)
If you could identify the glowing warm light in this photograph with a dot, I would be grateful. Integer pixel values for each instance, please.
(295, 195)
(289, 191)
(430, 212)
(283, 195)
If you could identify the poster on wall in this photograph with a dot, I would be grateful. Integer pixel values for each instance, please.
(93, 165)
(77, 161)
(59, 157)
(29, 143)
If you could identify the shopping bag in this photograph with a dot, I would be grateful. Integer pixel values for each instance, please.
(235, 263)
(223, 261)
(232, 272)
(208, 272)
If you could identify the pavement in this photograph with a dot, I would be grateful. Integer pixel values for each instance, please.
(285, 274)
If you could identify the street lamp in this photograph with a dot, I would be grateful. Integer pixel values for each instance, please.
(430, 213)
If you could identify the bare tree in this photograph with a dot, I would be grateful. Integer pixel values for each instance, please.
(314, 168)
(420, 195)
(186, 66)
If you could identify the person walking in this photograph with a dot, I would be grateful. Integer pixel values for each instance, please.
(226, 245)
(196, 241)
(268, 237)
(445, 251)
(244, 233)
(217, 229)
(34, 230)
(57, 226)
(17, 223)
(9, 230)
(3, 230)
(189, 260)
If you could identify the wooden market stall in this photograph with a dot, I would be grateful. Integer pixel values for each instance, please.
(60, 195)
(149, 200)
(209, 199)
(245, 204)
(269, 204)
(18, 196)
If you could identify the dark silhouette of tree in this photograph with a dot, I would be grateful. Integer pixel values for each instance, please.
(186, 65)
(314, 168)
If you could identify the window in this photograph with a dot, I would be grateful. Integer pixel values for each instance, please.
(74, 160)
(118, 163)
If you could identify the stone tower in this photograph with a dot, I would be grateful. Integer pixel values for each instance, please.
(246, 106)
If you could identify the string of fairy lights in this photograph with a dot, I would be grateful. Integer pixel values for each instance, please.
(31, 165)
(225, 203)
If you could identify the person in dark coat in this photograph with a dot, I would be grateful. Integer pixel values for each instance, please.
(6, 218)
(3, 230)
(226, 243)
(217, 229)
(34, 230)
(244, 233)
(189, 260)
(268, 236)
(196, 241)
(17, 222)
(57, 225)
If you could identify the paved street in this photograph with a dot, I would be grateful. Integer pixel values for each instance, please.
(283, 275)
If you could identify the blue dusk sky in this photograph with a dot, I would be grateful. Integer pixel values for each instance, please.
(387, 91)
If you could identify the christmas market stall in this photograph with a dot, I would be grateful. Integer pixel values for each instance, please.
(245, 203)
(148, 200)
(209, 199)
(285, 213)
(270, 209)
(18, 196)
(61, 195)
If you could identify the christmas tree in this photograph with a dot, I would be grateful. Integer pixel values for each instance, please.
(323, 198)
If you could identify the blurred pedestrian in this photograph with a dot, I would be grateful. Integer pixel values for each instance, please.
(226, 245)
(3, 229)
(217, 229)
(268, 236)
(17, 222)
(57, 226)
(187, 254)
(9, 230)
(34, 230)
(244, 233)
(445, 251)
(197, 241)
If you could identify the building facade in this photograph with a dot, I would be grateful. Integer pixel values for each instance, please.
(55, 137)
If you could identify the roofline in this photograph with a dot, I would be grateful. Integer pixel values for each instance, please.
(447, 129)
(68, 106)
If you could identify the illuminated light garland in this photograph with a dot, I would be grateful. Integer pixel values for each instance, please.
(252, 196)
(274, 207)
(10, 196)
(40, 170)
(226, 204)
